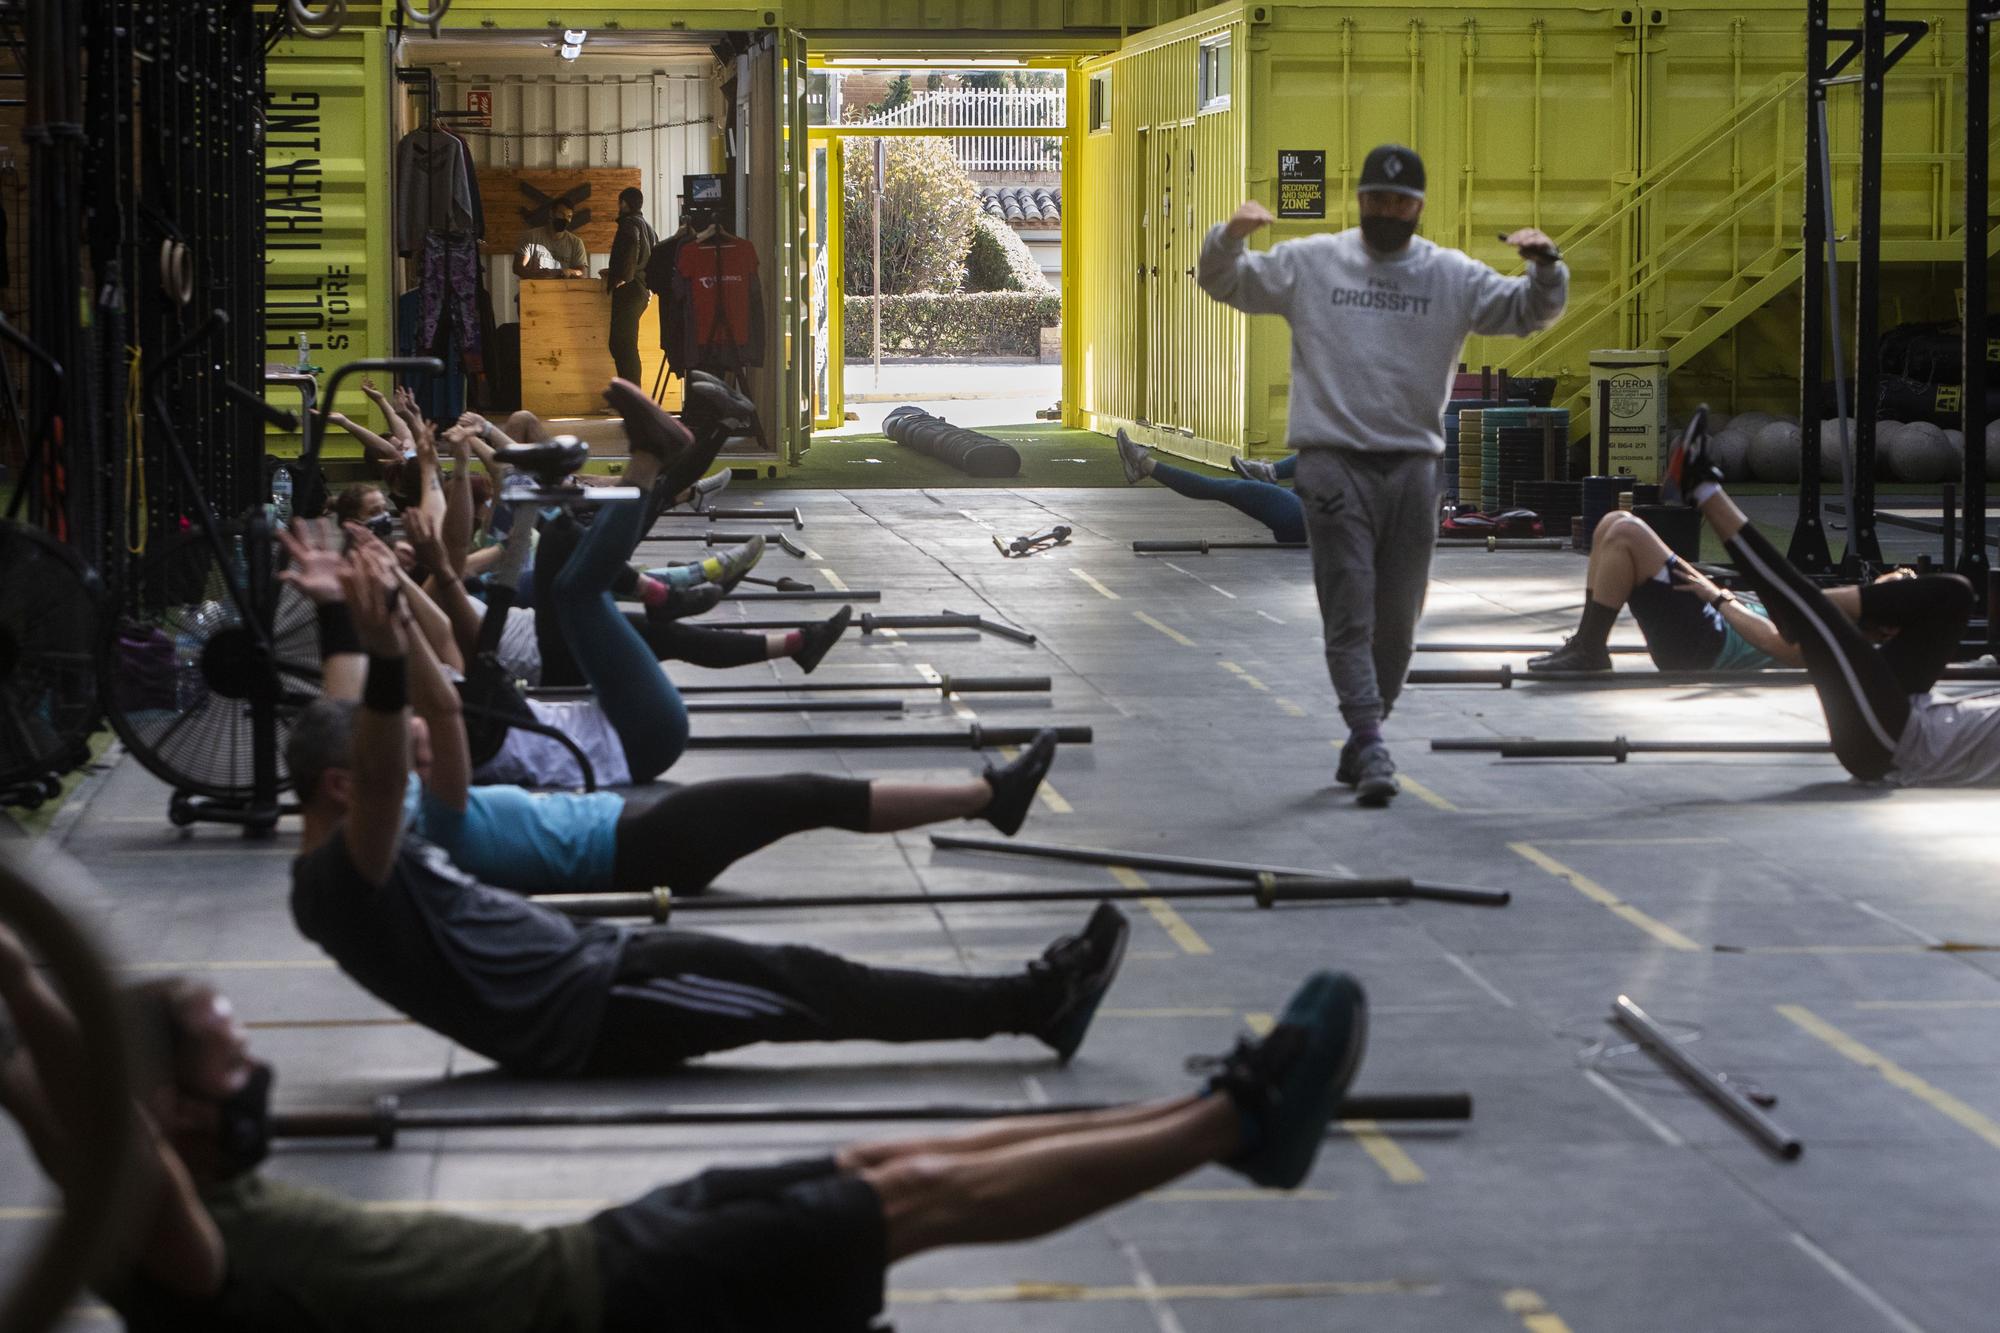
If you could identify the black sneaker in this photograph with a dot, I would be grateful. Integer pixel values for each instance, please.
(1691, 463)
(821, 637)
(1573, 656)
(1015, 783)
(1286, 1086)
(1375, 782)
(1084, 966)
(684, 602)
(649, 428)
(1348, 771)
(708, 400)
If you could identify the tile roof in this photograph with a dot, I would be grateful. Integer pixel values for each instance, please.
(1023, 205)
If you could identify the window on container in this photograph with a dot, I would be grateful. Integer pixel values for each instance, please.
(1213, 77)
(1100, 102)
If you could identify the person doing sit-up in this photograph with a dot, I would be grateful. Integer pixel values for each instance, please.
(538, 993)
(514, 839)
(787, 1247)
(1266, 501)
(1880, 714)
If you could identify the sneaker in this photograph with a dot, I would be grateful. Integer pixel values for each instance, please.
(1348, 772)
(1573, 656)
(1084, 966)
(1691, 463)
(821, 637)
(1133, 458)
(684, 602)
(1015, 783)
(1287, 1086)
(708, 400)
(649, 428)
(704, 491)
(1252, 470)
(728, 566)
(1375, 776)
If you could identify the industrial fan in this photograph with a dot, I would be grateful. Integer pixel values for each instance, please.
(51, 631)
(185, 671)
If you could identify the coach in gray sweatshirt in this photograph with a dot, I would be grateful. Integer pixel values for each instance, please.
(1379, 316)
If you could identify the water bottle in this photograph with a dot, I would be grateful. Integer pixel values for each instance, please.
(281, 495)
(305, 356)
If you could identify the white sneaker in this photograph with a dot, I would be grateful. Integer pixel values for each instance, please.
(1252, 470)
(1133, 458)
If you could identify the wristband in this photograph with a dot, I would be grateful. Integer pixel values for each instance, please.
(388, 687)
(336, 630)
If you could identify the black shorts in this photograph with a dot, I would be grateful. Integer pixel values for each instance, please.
(773, 1249)
(1680, 630)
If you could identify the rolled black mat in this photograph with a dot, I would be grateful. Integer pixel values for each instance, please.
(967, 450)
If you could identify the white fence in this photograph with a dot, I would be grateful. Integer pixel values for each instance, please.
(986, 108)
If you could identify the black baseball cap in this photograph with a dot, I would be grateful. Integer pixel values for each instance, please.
(1395, 169)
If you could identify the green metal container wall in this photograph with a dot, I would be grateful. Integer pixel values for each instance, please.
(327, 233)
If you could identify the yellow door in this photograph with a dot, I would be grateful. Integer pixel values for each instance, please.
(823, 296)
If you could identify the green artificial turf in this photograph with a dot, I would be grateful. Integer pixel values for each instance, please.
(1051, 455)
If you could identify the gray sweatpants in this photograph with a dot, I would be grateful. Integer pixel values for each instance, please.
(1372, 520)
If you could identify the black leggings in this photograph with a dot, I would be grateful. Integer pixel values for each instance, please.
(679, 994)
(694, 833)
(1864, 688)
(670, 640)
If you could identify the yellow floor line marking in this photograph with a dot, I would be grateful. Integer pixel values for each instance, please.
(1049, 796)
(1388, 1154)
(1168, 630)
(1261, 1024)
(1187, 1012)
(1245, 676)
(1534, 1313)
(1288, 706)
(1597, 893)
(1095, 584)
(1075, 1292)
(1170, 921)
(833, 580)
(1927, 1004)
(1894, 1074)
(1426, 795)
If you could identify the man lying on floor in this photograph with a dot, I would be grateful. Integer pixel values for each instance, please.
(790, 1247)
(539, 993)
(508, 837)
(1880, 714)
(1266, 501)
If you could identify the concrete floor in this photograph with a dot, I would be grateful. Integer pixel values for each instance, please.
(1831, 944)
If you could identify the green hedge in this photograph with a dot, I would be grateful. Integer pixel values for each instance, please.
(1000, 261)
(954, 323)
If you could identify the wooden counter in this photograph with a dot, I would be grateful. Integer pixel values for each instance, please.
(566, 348)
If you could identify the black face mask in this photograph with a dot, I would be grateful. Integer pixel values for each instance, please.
(558, 224)
(1387, 235)
(243, 1124)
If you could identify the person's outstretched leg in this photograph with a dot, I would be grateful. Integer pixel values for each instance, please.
(680, 994)
(1928, 614)
(705, 646)
(694, 833)
(641, 703)
(1015, 1182)
(1272, 505)
(1624, 552)
(1865, 705)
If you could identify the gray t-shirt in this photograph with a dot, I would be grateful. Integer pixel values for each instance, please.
(520, 984)
(1951, 742)
(565, 247)
(1375, 341)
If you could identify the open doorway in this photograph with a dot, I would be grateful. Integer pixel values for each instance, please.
(953, 176)
(520, 156)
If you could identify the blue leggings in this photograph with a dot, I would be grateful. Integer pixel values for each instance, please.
(1273, 506)
(643, 705)
(1287, 467)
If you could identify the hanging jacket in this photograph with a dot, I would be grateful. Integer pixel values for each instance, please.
(722, 302)
(433, 192)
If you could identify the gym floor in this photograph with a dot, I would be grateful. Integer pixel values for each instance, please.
(1830, 944)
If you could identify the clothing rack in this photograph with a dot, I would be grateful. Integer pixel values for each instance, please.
(422, 81)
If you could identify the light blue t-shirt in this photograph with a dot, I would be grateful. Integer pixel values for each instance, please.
(530, 842)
